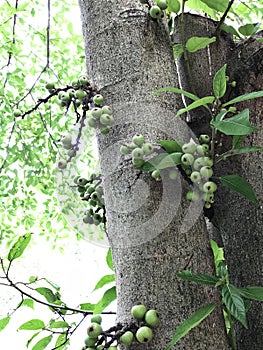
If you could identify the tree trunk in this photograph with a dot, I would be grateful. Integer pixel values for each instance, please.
(238, 222)
(151, 232)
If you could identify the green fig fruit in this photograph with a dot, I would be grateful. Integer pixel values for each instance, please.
(187, 159)
(195, 177)
(152, 318)
(138, 140)
(162, 4)
(138, 311)
(156, 12)
(127, 338)
(98, 99)
(94, 330)
(209, 187)
(144, 334)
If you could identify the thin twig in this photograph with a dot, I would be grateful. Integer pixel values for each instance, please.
(223, 17)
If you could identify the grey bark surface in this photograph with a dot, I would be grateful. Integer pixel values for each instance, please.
(153, 234)
(238, 223)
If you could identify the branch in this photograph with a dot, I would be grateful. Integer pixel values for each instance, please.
(223, 17)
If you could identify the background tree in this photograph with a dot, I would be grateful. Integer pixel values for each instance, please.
(129, 55)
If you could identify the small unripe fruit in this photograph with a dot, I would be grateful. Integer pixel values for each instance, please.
(67, 140)
(50, 85)
(75, 180)
(206, 172)
(65, 97)
(106, 130)
(204, 138)
(198, 163)
(96, 112)
(71, 92)
(77, 102)
(82, 181)
(156, 175)
(155, 12)
(87, 219)
(208, 161)
(138, 140)
(208, 197)
(200, 150)
(94, 330)
(132, 145)
(162, 4)
(232, 109)
(138, 311)
(90, 341)
(124, 150)
(80, 94)
(187, 159)
(106, 119)
(144, 334)
(83, 80)
(106, 110)
(17, 112)
(90, 190)
(195, 177)
(152, 318)
(127, 338)
(209, 187)
(98, 99)
(189, 147)
(137, 153)
(112, 347)
(143, 1)
(96, 318)
(62, 164)
(92, 122)
(138, 162)
(147, 148)
(207, 205)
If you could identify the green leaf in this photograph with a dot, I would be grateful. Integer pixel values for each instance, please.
(242, 150)
(234, 303)
(196, 43)
(219, 82)
(109, 260)
(218, 254)
(108, 297)
(171, 146)
(254, 293)
(237, 141)
(42, 343)
(218, 5)
(4, 322)
(249, 96)
(61, 341)
(47, 293)
(177, 91)
(32, 325)
(58, 324)
(190, 323)
(177, 50)
(18, 248)
(247, 29)
(28, 303)
(198, 278)
(239, 124)
(162, 161)
(105, 280)
(87, 306)
(198, 103)
(240, 185)
(229, 29)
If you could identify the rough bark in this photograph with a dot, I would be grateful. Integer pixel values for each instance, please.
(238, 222)
(150, 231)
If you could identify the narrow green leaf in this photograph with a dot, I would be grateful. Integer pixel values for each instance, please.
(18, 248)
(198, 278)
(108, 297)
(250, 292)
(234, 303)
(219, 82)
(218, 254)
(109, 260)
(249, 96)
(240, 185)
(198, 103)
(4, 322)
(239, 124)
(237, 141)
(171, 146)
(177, 91)
(152, 164)
(105, 280)
(247, 29)
(229, 29)
(58, 324)
(242, 150)
(177, 50)
(61, 341)
(42, 343)
(196, 43)
(218, 5)
(47, 293)
(33, 324)
(190, 323)
(32, 338)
